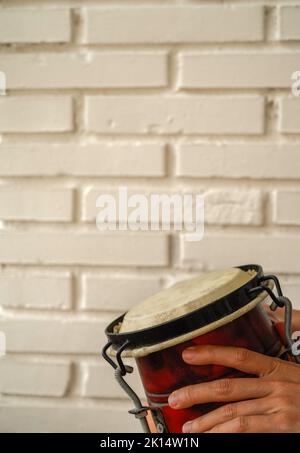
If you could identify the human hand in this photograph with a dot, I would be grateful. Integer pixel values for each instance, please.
(269, 402)
(278, 316)
(296, 319)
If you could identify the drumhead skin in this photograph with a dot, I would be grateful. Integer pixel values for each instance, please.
(184, 297)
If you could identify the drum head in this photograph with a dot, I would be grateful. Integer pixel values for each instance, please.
(184, 297)
(188, 309)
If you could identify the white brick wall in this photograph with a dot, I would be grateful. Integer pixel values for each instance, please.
(184, 96)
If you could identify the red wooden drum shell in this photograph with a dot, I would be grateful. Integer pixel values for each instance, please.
(164, 371)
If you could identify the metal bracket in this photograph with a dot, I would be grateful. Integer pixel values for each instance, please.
(279, 300)
(139, 411)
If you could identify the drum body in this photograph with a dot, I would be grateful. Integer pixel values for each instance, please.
(164, 371)
(217, 308)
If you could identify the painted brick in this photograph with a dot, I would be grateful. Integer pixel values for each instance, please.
(273, 252)
(89, 70)
(35, 378)
(117, 292)
(291, 289)
(36, 290)
(289, 23)
(84, 248)
(175, 114)
(233, 207)
(151, 24)
(34, 25)
(245, 160)
(290, 116)
(97, 381)
(66, 418)
(222, 206)
(36, 114)
(36, 204)
(104, 159)
(228, 70)
(54, 335)
(287, 204)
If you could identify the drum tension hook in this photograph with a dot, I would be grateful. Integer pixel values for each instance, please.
(281, 301)
(139, 411)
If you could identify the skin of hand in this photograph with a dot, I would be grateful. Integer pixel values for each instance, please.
(269, 402)
(296, 320)
(278, 316)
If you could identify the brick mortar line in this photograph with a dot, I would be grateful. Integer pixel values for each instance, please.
(10, 138)
(146, 183)
(58, 402)
(61, 139)
(36, 315)
(163, 92)
(213, 48)
(93, 3)
(146, 273)
(33, 270)
(86, 228)
(133, 271)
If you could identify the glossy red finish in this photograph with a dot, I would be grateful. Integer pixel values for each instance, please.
(165, 371)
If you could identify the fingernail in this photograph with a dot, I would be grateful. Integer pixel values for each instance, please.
(173, 400)
(189, 353)
(187, 427)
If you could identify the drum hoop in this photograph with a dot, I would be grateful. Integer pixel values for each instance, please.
(220, 310)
